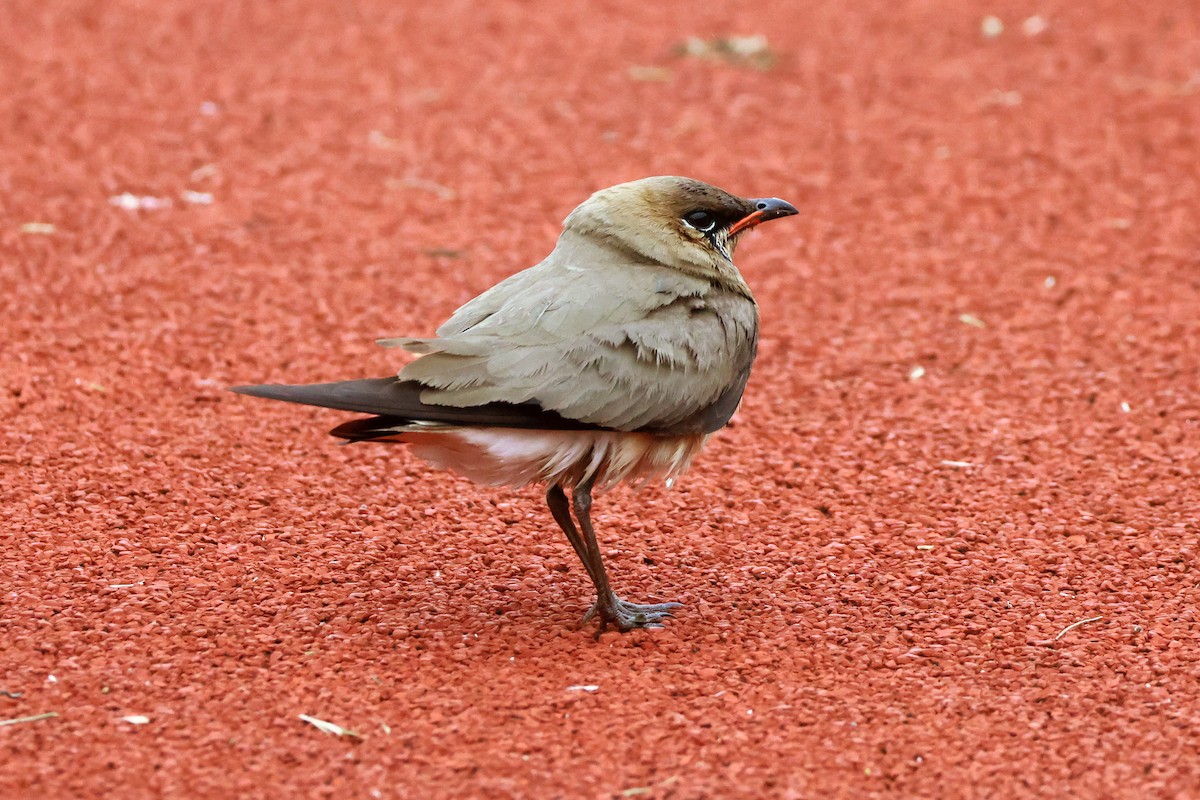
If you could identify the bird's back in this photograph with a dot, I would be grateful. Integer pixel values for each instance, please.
(606, 338)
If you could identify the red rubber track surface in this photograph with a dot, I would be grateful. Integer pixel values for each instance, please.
(974, 422)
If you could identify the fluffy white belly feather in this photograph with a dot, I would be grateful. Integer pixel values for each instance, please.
(516, 457)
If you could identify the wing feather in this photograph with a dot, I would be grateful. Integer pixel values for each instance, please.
(630, 346)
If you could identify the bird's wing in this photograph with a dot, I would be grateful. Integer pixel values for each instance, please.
(399, 402)
(620, 344)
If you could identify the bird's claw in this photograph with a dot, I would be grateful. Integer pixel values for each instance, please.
(626, 616)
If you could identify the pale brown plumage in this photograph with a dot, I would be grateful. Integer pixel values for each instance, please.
(613, 359)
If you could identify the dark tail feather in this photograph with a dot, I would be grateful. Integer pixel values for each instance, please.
(398, 401)
(369, 396)
(370, 429)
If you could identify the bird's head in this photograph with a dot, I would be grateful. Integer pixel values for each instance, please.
(680, 222)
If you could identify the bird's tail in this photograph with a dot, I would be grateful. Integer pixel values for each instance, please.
(383, 429)
(398, 408)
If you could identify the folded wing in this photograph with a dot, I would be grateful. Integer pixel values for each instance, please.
(400, 401)
(630, 346)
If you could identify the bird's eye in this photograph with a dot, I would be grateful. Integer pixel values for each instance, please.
(700, 220)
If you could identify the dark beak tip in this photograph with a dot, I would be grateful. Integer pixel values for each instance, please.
(774, 208)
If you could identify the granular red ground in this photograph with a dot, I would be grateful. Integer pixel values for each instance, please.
(973, 425)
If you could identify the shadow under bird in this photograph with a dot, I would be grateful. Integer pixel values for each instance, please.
(613, 359)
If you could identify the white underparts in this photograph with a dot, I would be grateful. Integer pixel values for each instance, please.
(516, 457)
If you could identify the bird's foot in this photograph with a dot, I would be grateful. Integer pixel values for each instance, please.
(626, 616)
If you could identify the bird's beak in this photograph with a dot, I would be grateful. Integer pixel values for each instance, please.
(765, 208)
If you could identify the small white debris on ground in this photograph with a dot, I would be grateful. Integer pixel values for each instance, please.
(1035, 25)
(34, 718)
(748, 50)
(328, 727)
(206, 171)
(991, 27)
(196, 198)
(134, 202)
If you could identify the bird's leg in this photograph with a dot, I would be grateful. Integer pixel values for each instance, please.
(610, 608)
(560, 508)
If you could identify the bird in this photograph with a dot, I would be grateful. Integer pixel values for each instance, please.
(613, 359)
